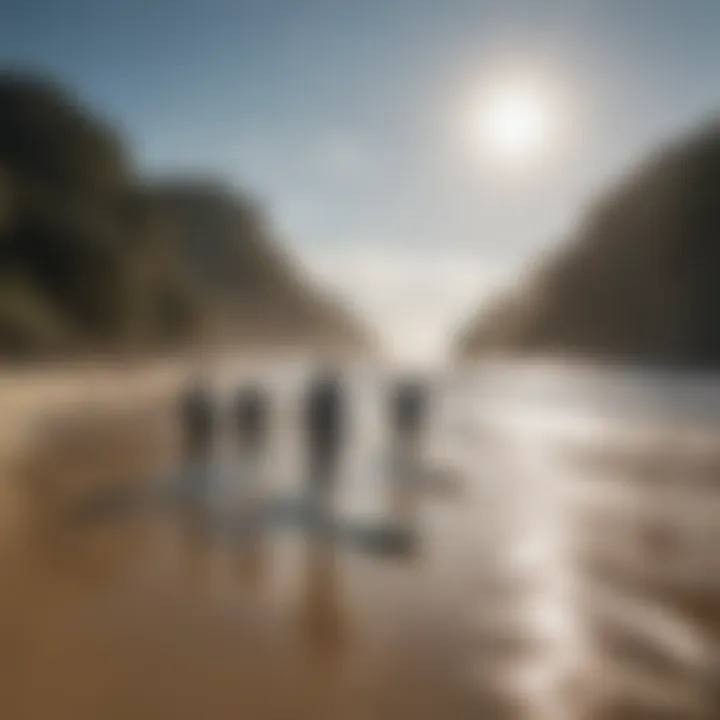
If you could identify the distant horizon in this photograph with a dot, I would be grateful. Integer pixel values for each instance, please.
(349, 121)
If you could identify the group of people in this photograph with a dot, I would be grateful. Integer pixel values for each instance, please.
(324, 423)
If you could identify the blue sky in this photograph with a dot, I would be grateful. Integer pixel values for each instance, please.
(343, 117)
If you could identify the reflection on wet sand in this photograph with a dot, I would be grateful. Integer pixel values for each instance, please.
(253, 552)
(562, 583)
(322, 616)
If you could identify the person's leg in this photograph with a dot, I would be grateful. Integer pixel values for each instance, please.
(323, 479)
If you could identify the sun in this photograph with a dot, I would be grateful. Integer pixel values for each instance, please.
(514, 122)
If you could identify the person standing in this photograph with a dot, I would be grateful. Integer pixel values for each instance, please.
(198, 429)
(325, 433)
(197, 417)
(251, 410)
(409, 414)
(251, 416)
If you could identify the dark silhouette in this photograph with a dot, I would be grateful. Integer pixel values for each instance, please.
(252, 419)
(81, 267)
(92, 261)
(325, 429)
(639, 282)
(198, 428)
(408, 411)
(198, 421)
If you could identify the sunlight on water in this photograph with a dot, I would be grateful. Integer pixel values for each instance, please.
(536, 561)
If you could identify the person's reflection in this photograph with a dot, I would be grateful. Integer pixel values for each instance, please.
(404, 492)
(252, 557)
(323, 620)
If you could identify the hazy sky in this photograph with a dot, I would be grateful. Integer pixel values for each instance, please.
(349, 119)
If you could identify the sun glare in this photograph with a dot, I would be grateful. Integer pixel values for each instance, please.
(514, 123)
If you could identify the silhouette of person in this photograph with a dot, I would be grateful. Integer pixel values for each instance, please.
(198, 421)
(409, 410)
(198, 425)
(251, 412)
(251, 420)
(324, 425)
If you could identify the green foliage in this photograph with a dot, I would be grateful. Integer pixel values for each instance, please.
(127, 266)
(225, 243)
(29, 325)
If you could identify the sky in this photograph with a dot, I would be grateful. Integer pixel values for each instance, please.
(352, 122)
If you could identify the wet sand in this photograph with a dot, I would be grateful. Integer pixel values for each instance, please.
(544, 586)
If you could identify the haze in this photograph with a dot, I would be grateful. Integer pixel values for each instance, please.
(348, 119)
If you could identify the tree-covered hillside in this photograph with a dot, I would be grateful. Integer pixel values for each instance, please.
(639, 281)
(94, 259)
